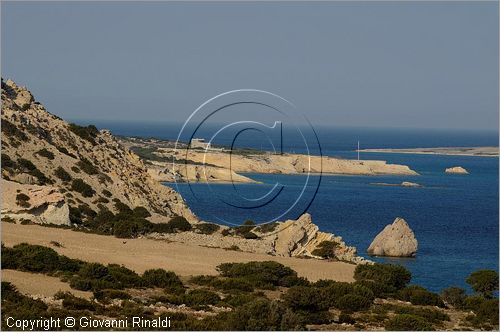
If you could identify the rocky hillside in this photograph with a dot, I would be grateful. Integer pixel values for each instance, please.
(87, 166)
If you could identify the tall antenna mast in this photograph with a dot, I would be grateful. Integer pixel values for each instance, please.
(358, 150)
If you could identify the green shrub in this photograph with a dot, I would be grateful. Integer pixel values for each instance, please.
(23, 200)
(83, 188)
(431, 315)
(123, 276)
(86, 166)
(28, 167)
(107, 193)
(109, 294)
(62, 149)
(326, 249)
(407, 322)
(473, 302)
(237, 300)
(131, 228)
(88, 133)
(250, 235)
(353, 302)
(346, 318)
(94, 271)
(207, 228)
(32, 258)
(232, 284)
(14, 304)
(6, 162)
(11, 130)
(305, 298)
(203, 280)
(265, 274)
(161, 278)
(45, 153)
(394, 276)
(141, 212)
(488, 312)
(62, 174)
(420, 296)
(268, 227)
(201, 297)
(72, 302)
(454, 296)
(180, 223)
(484, 282)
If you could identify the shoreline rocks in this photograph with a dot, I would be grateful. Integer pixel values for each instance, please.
(456, 170)
(395, 240)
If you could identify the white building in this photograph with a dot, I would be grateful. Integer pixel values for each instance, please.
(199, 143)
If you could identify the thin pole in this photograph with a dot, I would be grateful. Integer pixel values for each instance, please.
(358, 150)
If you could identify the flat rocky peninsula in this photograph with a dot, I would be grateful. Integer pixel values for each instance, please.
(485, 151)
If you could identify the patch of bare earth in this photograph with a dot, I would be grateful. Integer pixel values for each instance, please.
(142, 254)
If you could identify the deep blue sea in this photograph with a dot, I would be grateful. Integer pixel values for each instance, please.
(455, 217)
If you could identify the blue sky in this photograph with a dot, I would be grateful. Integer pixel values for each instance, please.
(396, 64)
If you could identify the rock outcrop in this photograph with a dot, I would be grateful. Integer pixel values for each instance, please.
(456, 170)
(89, 166)
(396, 240)
(39, 204)
(410, 184)
(291, 238)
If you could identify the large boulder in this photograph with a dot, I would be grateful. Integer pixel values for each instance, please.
(395, 240)
(456, 170)
(40, 204)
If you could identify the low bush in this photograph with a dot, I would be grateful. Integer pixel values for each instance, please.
(232, 284)
(141, 212)
(353, 302)
(268, 227)
(62, 174)
(326, 249)
(207, 228)
(23, 200)
(484, 282)
(85, 165)
(72, 302)
(45, 153)
(161, 278)
(88, 133)
(393, 276)
(305, 298)
(107, 193)
(267, 274)
(131, 228)
(110, 294)
(345, 318)
(431, 315)
(83, 188)
(200, 297)
(180, 223)
(405, 322)
(6, 162)
(15, 304)
(420, 296)
(454, 296)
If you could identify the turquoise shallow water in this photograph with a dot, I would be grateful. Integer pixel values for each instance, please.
(455, 217)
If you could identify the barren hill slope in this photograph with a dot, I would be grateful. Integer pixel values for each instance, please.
(88, 166)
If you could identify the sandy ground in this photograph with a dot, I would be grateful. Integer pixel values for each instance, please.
(39, 284)
(459, 151)
(142, 254)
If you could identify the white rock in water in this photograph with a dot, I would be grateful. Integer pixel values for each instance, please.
(456, 170)
(396, 240)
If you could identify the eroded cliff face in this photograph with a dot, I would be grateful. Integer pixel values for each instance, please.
(39, 148)
(301, 237)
